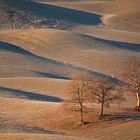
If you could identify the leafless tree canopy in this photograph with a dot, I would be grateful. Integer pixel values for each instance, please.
(84, 89)
(132, 76)
(105, 93)
(78, 92)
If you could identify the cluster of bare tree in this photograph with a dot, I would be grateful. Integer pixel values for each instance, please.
(84, 89)
(23, 20)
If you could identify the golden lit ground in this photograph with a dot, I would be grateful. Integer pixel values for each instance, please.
(31, 117)
(79, 50)
(43, 86)
(35, 64)
(36, 137)
(24, 116)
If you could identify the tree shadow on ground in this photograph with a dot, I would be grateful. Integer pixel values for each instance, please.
(112, 119)
(122, 117)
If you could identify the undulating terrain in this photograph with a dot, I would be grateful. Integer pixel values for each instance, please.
(42, 44)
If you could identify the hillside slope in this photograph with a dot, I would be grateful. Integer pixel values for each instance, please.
(42, 44)
(28, 14)
(19, 62)
(126, 13)
(77, 49)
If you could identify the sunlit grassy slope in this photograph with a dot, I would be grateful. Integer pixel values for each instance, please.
(78, 50)
(37, 62)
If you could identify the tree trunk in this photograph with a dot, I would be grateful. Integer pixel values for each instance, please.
(138, 99)
(102, 106)
(81, 113)
(102, 109)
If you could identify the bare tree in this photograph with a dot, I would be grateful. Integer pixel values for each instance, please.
(13, 19)
(132, 77)
(78, 91)
(105, 93)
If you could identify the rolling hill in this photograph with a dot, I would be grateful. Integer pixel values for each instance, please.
(91, 50)
(42, 44)
(124, 14)
(28, 14)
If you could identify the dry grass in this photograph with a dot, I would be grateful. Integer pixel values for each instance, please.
(57, 54)
(44, 86)
(36, 137)
(22, 116)
(91, 51)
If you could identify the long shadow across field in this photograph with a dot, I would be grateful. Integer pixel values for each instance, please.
(65, 69)
(55, 13)
(118, 117)
(122, 117)
(51, 75)
(28, 95)
(121, 45)
(7, 127)
(114, 44)
(4, 46)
